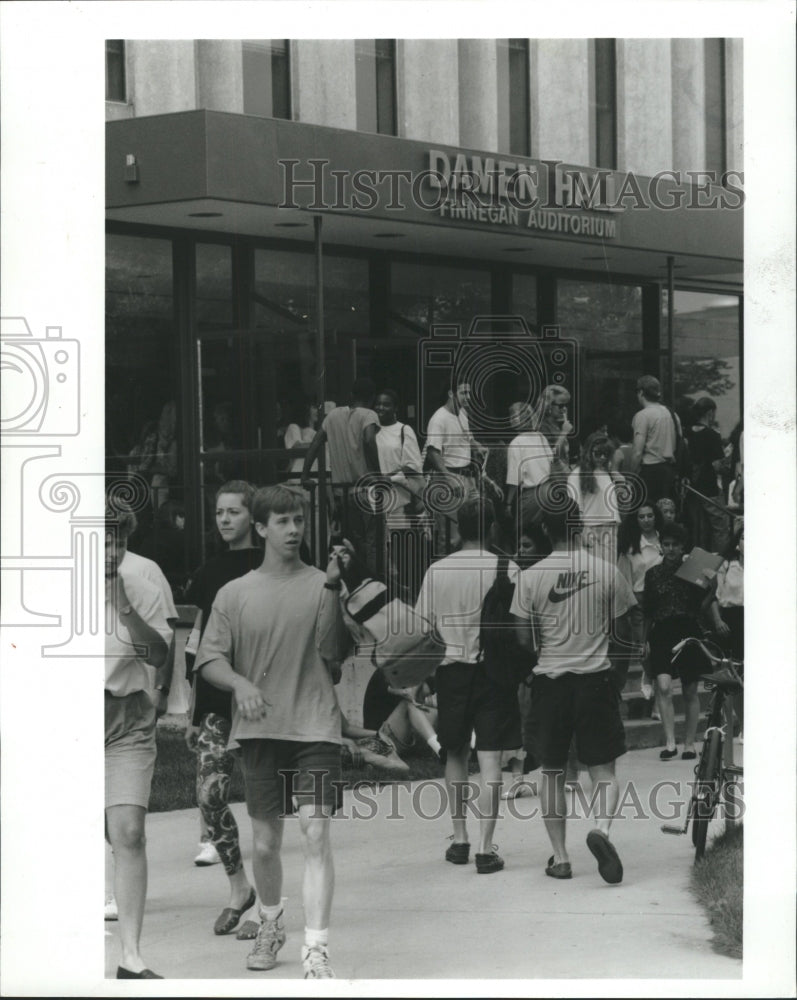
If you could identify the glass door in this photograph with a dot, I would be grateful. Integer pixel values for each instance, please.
(238, 413)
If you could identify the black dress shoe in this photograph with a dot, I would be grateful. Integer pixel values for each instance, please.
(123, 973)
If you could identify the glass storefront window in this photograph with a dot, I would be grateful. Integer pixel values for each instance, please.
(706, 345)
(142, 429)
(600, 316)
(605, 321)
(140, 344)
(213, 286)
(524, 297)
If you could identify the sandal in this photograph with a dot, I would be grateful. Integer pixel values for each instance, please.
(228, 919)
(561, 869)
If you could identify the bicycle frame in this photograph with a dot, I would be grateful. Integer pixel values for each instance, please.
(712, 775)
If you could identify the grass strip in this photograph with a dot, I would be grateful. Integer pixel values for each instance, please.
(718, 883)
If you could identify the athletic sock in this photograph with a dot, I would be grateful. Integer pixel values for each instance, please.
(313, 938)
(270, 912)
(434, 743)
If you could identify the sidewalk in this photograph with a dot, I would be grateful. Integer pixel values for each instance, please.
(401, 912)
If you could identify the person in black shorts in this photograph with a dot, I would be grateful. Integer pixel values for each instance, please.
(573, 601)
(452, 594)
(671, 609)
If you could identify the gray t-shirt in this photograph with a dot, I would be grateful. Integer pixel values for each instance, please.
(655, 425)
(274, 628)
(344, 428)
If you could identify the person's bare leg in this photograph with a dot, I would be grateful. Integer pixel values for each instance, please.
(606, 793)
(422, 722)
(692, 713)
(266, 860)
(554, 811)
(125, 827)
(489, 797)
(456, 773)
(319, 871)
(664, 688)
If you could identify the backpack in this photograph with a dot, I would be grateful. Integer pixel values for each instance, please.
(402, 643)
(683, 464)
(506, 662)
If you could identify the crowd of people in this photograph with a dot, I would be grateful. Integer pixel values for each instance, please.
(589, 551)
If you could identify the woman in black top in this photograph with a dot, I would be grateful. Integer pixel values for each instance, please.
(708, 525)
(211, 711)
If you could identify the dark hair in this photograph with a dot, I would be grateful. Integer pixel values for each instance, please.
(278, 499)
(629, 537)
(649, 386)
(240, 487)
(168, 512)
(362, 390)
(476, 514)
(587, 466)
(391, 394)
(704, 405)
(120, 518)
(732, 549)
(674, 532)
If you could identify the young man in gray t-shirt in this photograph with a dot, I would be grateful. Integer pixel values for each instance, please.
(272, 639)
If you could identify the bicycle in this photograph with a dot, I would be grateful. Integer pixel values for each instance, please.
(712, 776)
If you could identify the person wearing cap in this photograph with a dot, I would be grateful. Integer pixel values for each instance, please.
(655, 439)
(708, 524)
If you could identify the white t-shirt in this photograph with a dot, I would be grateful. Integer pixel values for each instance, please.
(125, 671)
(133, 564)
(395, 453)
(634, 565)
(572, 597)
(452, 594)
(450, 434)
(528, 459)
(599, 507)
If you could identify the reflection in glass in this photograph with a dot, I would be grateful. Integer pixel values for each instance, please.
(706, 352)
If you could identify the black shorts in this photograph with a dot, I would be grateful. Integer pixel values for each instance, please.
(279, 772)
(691, 663)
(466, 701)
(584, 705)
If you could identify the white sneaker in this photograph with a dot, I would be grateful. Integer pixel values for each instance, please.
(111, 912)
(315, 961)
(208, 855)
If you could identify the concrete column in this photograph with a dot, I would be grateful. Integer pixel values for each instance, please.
(734, 103)
(644, 105)
(219, 66)
(162, 76)
(560, 94)
(688, 104)
(478, 121)
(428, 74)
(325, 91)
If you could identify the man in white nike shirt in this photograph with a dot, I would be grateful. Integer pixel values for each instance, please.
(575, 602)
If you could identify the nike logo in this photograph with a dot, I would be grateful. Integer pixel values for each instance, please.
(573, 582)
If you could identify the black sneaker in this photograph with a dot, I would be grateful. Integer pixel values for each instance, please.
(458, 854)
(668, 754)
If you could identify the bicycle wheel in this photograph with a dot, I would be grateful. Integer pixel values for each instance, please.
(704, 801)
